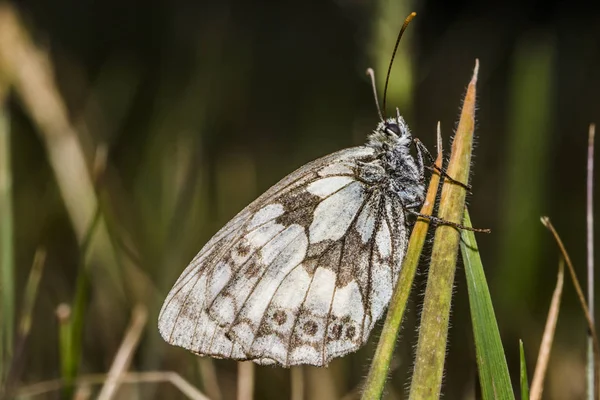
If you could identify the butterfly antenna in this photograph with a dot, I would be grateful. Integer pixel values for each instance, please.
(387, 78)
(371, 73)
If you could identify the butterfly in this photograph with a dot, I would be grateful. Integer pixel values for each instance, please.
(303, 273)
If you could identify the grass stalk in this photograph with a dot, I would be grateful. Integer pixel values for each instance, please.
(590, 257)
(65, 348)
(31, 288)
(208, 377)
(80, 300)
(523, 373)
(7, 267)
(433, 332)
(25, 321)
(297, 382)
(494, 378)
(537, 385)
(320, 383)
(591, 327)
(31, 75)
(189, 390)
(380, 366)
(125, 353)
(245, 389)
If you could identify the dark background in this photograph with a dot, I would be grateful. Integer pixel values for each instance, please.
(203, 105)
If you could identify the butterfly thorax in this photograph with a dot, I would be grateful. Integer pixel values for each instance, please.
(392, 141)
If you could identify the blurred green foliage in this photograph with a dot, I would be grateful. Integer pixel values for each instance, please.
(204, 105)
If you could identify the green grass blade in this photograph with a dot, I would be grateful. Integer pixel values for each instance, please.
(31, 290)
(523, 194)
(433, 332)
(77, 321)
(524, 380)
(7, 294)
(378, 373)
(25, 321)
(71, 331)
(491, 362)
(65, 349)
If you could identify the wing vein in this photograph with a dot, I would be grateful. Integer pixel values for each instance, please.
(370, 267)
(337, 276)
(392, 246)
(261, 277)
(269, 305)
(242, 265)
(184, 304)
(321, 199)
(287, 361)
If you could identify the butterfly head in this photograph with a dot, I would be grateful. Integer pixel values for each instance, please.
(393, 141)
(392, 133)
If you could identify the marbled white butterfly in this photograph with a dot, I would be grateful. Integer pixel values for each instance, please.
(302, 274)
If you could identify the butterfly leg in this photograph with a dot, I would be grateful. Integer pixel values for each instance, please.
(420, 161)
(440, 221)
(421, 149)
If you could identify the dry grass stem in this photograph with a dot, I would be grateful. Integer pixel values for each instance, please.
(208, 376)
(245, 389)
(590, 255)
(174, 378)
(83, 392)
(582, 301)
(537, 385)
(320, 383)
(126, 350)
(297, 382)
(30, 72)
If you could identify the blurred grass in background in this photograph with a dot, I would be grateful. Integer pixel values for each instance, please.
(201, 106)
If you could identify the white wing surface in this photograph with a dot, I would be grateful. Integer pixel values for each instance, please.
(301, 275)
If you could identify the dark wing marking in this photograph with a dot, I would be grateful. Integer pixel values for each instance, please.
(183, 320)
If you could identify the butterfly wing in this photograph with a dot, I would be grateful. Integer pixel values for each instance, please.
(300, 276)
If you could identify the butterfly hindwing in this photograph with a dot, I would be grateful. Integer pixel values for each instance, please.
(300, 276)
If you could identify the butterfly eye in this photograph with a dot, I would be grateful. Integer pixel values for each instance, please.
(392, 128)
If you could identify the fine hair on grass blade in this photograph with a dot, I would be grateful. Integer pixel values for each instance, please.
(523, 372)
(590, 256)
(377, 376)
(431, 348)
(591, 327)
(537, 384)
(494, 378)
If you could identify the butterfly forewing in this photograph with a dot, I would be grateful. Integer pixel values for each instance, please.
(301, 275)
